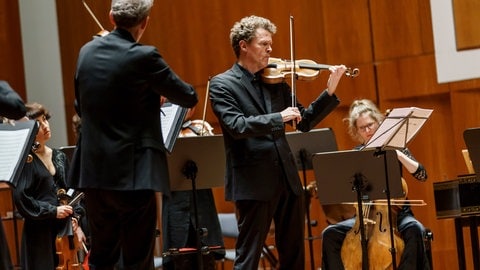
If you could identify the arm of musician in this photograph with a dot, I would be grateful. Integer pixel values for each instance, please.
(409, 164)
(414, 167)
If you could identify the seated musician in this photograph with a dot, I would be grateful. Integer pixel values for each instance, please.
(364, 119)
(178, 218)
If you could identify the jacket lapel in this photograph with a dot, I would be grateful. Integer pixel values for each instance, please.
(252, 91)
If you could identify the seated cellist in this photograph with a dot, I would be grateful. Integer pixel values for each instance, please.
(363, 120)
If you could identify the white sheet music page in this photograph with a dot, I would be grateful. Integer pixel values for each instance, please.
(399, 128)
(167, 117)
(11, 148)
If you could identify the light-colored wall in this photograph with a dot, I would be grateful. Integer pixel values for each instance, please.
(43, 71)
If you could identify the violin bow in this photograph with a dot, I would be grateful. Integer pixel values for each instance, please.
(294, 75)
(102, 31)
(202, 132)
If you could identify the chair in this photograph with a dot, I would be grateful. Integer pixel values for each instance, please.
(158, 262)
(428, 238)
(228, 225)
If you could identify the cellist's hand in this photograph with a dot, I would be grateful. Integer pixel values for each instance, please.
(64, 211)
(336, 73)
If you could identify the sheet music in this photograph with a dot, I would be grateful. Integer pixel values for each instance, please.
(171, 117)
(11, 149)
(399, 128)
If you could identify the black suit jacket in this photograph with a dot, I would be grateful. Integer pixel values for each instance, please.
(11, 104)
(118, 84)
(254, 134)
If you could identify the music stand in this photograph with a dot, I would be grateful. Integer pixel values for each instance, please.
(357, 176)
(16, 142)
(398, 128)
(202, 158)
(471, 136)
(209, 155)
(303, 145)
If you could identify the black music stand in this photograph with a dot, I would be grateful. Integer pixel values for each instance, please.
(202, 158)
(303, 145)
(357, 176)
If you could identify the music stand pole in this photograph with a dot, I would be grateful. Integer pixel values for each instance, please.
(358, 187)
(190, 171)
(393, 250)
(303, 160)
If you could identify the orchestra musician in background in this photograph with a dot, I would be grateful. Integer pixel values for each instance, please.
(11, 107)
(261, 174)
(178, 219)
(122, 158)
(363, 120)
(36, 198)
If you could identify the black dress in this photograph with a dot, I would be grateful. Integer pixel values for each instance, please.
(36, 200)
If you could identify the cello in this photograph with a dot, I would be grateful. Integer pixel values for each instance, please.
(377, 238)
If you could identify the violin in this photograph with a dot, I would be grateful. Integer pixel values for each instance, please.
(67, 245)
(278, 69)
(196, 127)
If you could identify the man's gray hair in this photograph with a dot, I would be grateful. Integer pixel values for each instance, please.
(129, 13)
(245, 30)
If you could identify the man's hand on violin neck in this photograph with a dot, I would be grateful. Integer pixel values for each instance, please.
(336, 73)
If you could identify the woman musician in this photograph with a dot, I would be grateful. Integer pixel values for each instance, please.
(363, 120)
(37, 201)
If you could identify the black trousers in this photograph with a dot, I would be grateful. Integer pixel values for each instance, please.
(254, 219)
(121, 222)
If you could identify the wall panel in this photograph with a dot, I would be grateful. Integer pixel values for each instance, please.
(11, 55)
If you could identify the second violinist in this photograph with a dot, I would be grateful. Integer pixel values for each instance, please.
(261, 174)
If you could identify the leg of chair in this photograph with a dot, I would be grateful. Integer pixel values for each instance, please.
(428, 246)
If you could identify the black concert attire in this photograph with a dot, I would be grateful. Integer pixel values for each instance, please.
(261, 173)
(411, 230)
(36, 200)
(121, 159)
(11, 104)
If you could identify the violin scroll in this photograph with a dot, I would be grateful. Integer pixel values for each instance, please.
(352, 73)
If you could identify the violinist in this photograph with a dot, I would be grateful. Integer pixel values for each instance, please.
(261, 175)
(36, 198)
(118, 84)
(363, 120)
